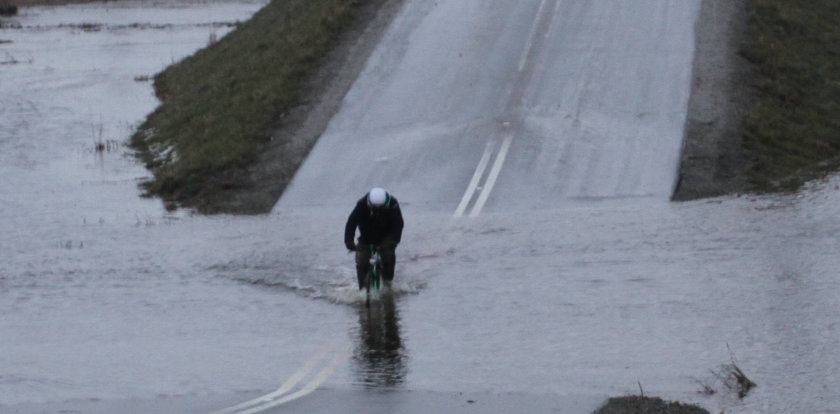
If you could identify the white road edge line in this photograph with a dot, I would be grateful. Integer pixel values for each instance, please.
(500, 158)
(307, 366)
(319, 379)
(491, 179)
(476, 178)
(524, 58)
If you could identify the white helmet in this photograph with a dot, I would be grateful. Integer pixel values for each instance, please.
(377, 197)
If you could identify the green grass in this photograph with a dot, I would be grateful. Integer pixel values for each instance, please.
(220, 106)
(793, 131)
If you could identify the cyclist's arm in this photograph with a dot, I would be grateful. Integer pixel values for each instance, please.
(350, 228)
(396, 222)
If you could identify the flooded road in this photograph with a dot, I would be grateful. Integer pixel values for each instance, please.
(107, 298)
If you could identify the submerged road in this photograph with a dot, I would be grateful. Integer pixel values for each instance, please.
(533, 145)
(473, 105)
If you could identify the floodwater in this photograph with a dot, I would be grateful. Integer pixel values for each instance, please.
(105, 296)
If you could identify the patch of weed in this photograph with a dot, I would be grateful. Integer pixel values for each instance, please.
(793, 130)
(647, 405)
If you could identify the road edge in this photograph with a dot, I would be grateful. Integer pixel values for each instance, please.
(267, 178)
(713, 161)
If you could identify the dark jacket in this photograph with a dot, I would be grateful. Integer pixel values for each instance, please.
(374, 224)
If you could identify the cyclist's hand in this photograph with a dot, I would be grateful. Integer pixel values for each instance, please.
(350, 246)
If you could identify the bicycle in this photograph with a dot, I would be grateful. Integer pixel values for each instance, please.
(374, 274)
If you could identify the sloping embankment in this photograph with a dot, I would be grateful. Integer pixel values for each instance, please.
(763, 114)
(713, 161)
(239, 117)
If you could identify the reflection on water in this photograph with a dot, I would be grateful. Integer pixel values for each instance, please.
(380, 354)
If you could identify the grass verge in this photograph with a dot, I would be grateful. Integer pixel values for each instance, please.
(792, 132)
(647, 405)
(220, 106)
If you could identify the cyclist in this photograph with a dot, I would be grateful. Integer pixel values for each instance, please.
(378, 217)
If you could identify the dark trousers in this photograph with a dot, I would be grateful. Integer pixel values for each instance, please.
(388, 253)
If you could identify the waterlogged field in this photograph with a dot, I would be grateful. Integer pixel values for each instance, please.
(106, 296)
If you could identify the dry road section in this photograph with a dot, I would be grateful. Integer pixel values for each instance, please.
(471, 106)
